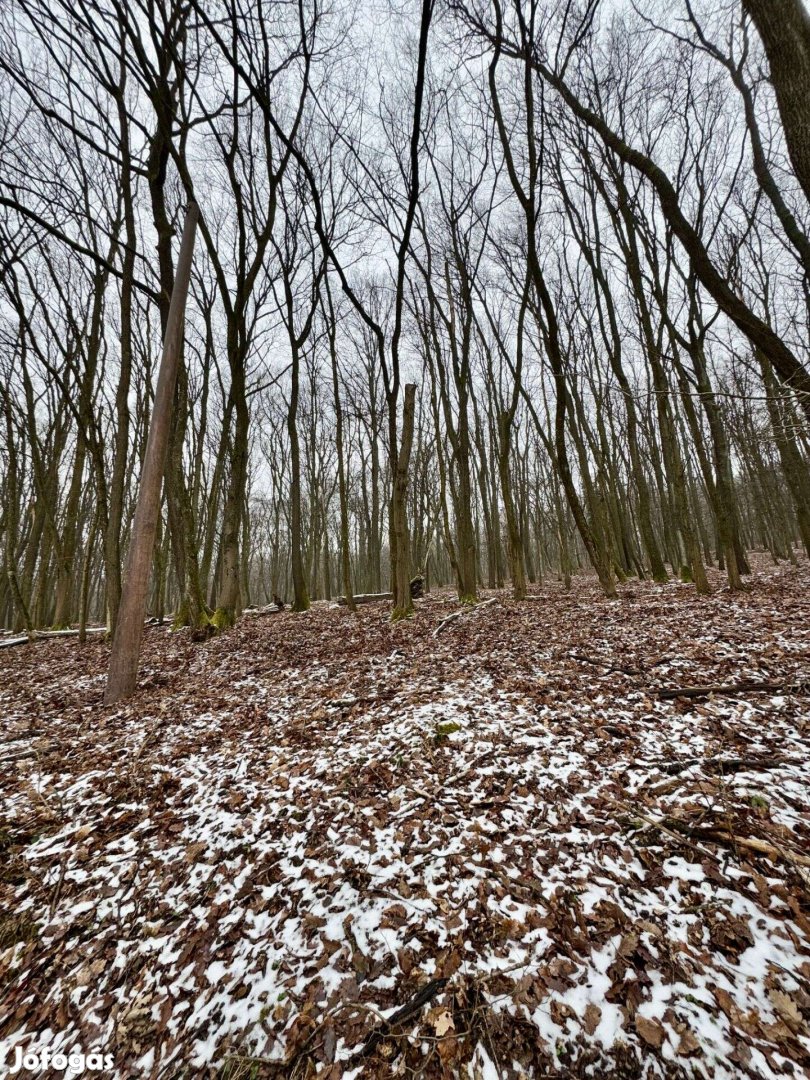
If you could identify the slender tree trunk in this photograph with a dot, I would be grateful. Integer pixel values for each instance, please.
(403, 603)
(300, 590)
(127, 640)
(514, 541)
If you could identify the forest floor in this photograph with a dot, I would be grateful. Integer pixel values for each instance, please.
(499, 835)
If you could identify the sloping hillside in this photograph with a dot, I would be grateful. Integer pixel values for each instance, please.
(498, 835)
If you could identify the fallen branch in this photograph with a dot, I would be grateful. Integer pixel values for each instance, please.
(20, 755)
(753, 843)
(33, 733)
(611, 668)
(409, 1010)
(704, 787)
(798, 687)
(353, 702)
(463, 611)
(9, 643)
(680, 830)
(722, 765)
(761, 847)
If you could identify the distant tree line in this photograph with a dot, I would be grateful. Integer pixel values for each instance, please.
(492, 291)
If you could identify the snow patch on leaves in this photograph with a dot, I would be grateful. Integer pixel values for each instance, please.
(268, 860)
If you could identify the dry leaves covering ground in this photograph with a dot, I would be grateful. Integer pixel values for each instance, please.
(498, 839)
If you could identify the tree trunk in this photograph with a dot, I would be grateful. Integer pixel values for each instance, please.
(300, 590)
(784, 26)
(400, 555)
(129, 631)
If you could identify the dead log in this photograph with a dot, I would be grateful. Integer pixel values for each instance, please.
(268, 609)
(367, 598)
(748, 687)
(9, 643)
(417, 587)
(41, 635)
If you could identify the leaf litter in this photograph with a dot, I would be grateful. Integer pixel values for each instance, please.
(325, 845)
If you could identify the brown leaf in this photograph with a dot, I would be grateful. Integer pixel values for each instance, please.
(787, 1008)
(628, 944)
(561, 965)
(560, 1012)
(406, 960)
(441, 1021)
(194, 851)
(650, 1031)
(394, 917)
(590, 1021)
(688, 1044)
(329, 1043)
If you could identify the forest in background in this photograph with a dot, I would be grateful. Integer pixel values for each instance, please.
(487, 291)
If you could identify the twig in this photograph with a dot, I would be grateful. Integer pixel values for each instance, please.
(611, 668)
(19, 756)
(663, 827)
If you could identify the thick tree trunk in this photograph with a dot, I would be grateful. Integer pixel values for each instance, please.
(784, 26)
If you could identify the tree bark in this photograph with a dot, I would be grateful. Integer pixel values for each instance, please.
(784, 26)
(123, 671)
(403, 603)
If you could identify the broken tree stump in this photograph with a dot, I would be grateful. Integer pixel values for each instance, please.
(417, 586)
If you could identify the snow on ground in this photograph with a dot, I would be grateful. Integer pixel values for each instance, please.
(499, 835)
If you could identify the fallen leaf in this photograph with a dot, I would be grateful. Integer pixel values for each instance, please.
(787, 1008)
(590, 1021)
(650, 1031)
